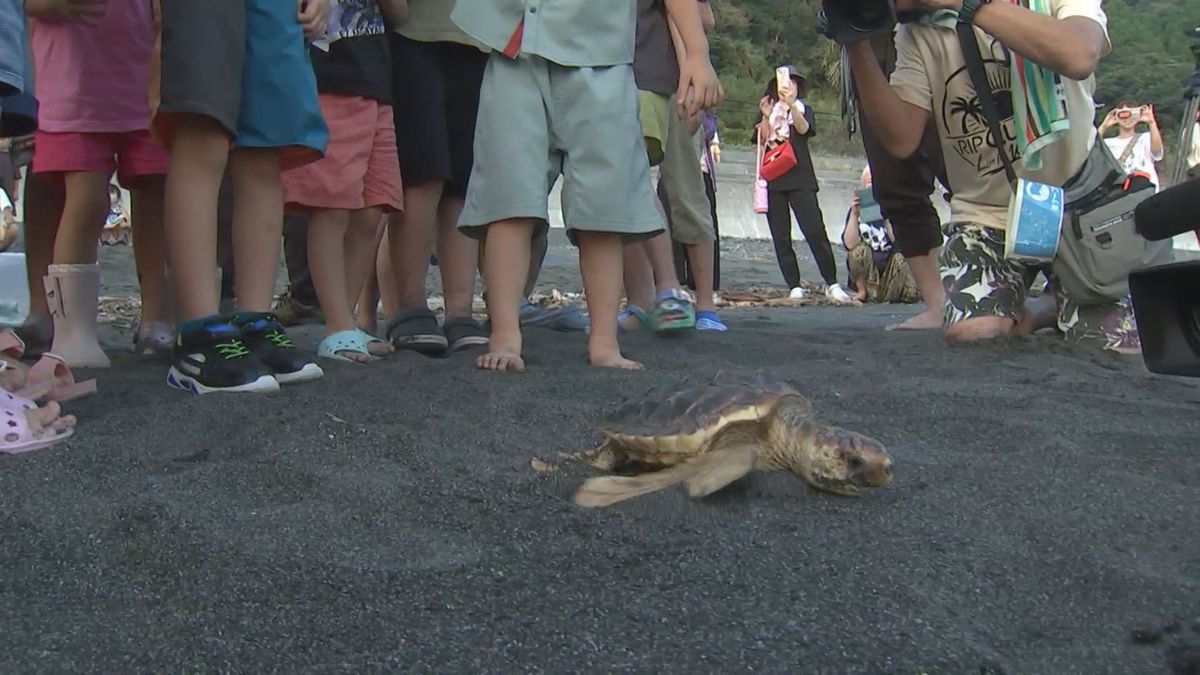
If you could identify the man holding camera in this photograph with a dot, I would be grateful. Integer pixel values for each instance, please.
(986, 291)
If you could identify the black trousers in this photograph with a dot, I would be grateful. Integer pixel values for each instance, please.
(812, 223)
(683, 267)
(903, 186)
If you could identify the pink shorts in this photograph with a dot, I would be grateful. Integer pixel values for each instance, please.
(131, 154)
(360, 168)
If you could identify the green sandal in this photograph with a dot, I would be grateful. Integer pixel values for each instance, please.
(673, 313)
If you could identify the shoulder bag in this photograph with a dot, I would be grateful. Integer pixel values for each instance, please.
(1098, 246)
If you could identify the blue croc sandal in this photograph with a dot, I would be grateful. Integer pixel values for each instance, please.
(344, 341)
(709, 321)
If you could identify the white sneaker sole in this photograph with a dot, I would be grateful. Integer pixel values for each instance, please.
(263, 385)
(308, 373)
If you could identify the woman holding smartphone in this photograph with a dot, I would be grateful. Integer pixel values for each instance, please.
(786, 119)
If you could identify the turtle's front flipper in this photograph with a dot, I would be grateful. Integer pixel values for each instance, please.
(720, 468)
(608, 490)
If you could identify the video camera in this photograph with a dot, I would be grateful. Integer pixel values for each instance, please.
(1166, 298)
(849, 21)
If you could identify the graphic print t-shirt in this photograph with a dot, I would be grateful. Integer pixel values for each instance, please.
(1139, 154)
(931, 74)
(359, 61)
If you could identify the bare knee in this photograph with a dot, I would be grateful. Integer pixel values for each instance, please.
(980, 328)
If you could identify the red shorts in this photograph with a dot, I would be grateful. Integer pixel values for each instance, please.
(131, 154)
(360, 168)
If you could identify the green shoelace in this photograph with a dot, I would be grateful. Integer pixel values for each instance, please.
(233, 349)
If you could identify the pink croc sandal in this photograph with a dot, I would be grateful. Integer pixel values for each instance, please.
(52, 369)
(15, 435)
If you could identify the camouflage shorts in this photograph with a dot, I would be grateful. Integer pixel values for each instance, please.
(981, 282)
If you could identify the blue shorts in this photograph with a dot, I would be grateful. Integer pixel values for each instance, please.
(18, 109)
(244, 64)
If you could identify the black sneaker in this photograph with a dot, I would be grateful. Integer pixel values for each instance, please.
(213, 358)
(264, 335)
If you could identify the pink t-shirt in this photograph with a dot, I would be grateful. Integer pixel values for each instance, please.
(95, 78)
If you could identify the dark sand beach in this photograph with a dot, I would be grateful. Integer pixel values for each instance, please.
(1044, 514)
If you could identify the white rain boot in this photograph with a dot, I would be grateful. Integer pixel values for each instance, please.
(73, 293)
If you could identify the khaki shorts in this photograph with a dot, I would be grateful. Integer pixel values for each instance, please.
(691, 217)
(539, 121)
(655, 113)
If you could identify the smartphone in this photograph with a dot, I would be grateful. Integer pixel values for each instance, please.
(781, 78)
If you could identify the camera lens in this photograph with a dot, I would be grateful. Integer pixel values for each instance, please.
(867, 15)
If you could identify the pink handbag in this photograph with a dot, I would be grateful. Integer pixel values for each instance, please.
(760, 184)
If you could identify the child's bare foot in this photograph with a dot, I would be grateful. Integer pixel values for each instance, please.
(608, 357)
(378, 346)
(503, 358)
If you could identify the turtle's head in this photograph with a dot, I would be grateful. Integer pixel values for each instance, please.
(838, 461)
(829, 458)
(845, 462)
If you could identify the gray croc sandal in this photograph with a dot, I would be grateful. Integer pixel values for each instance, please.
(463, 332)
(418, 330)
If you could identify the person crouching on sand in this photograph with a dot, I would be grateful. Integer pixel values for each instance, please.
(877, 272)
(534, 107)
(986, 292)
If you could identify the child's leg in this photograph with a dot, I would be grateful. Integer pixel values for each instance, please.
(410, 237)
(84, 209)
(361, 246)
(604, 158)
(600, 262)
(257, 226)
(639, 279)
(200, 149)
(662, 258)
(389, 301)
(457, 259)
(83, 163)
(148, 250)
(73, 281)
(142, 167)
(366, 306)
(506, 267)
(327, 238)
(43, 211)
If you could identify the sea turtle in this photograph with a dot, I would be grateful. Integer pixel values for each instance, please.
(711, 435)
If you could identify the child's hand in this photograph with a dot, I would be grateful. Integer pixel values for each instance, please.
(1147, 115)
(85, 11)
(698, 85)
(313, 16)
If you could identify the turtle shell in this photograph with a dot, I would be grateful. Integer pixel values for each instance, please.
(669, 429)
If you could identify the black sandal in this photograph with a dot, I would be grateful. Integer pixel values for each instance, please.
(464, 332)
(418, 330)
